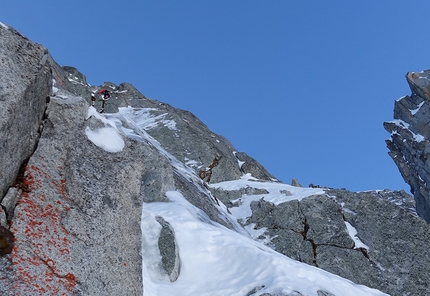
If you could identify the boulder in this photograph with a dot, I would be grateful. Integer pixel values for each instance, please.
(168, 250)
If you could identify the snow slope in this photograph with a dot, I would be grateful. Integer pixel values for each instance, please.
(216, 260)
(219, 261)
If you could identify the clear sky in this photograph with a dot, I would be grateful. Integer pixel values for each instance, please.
(301, 86)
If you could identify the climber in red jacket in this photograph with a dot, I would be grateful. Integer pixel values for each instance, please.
(106, 95)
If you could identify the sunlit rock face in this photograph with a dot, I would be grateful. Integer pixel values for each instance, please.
(409, 143)
(25, 83)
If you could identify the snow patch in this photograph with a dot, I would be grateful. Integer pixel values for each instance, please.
(103, 118)
(192, 163)
(413, 112)
(353, 234)
(106, 138)
(418, 137)
(277, 193)
(239, 162)
(400, 123)
(404, 125)
(54, 89)
(3, 25)
(400, 98)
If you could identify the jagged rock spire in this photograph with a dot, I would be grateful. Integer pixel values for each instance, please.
(409, 143)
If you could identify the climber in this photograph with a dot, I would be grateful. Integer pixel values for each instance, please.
(105, 93)
(106, 96)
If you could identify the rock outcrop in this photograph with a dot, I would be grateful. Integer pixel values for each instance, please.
(409, 143)
(315, 231)
(374, 238)
(70, 233)
(25, 85)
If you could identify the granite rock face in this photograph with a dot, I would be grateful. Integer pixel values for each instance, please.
(409, 143)
(314, 231)
(69, 226)
(25, 84)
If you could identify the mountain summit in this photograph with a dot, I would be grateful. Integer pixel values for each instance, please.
(143, 199)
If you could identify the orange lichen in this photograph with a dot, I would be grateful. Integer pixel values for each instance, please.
(38, 225)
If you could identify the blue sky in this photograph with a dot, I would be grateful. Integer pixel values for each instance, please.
(301, 86)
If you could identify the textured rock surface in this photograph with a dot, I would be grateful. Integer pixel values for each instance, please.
(69, 226)
(313, 231)
(409, 143)
(168, 250)
(25, 83)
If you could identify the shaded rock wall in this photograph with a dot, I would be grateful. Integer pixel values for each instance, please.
(409, 143)
(313, 231)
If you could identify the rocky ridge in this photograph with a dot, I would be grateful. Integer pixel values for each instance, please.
(74, 209)
(409, 143)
